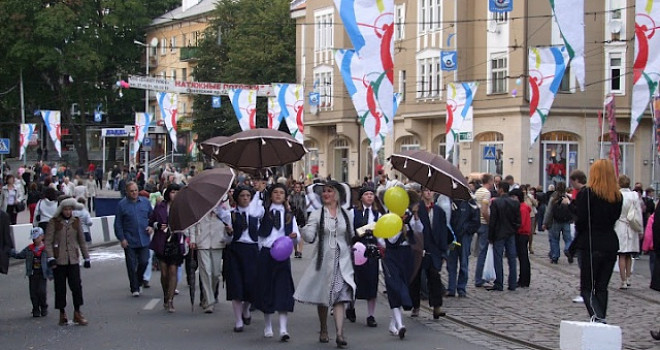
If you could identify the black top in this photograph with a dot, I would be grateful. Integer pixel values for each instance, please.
(602, 215)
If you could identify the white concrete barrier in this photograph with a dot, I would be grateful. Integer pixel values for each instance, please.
(102, 231)
(589, 336)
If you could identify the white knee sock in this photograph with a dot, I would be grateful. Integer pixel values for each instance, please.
(268, 326)
(371, 306)
(246, 310)
(237, 305)
(283, 321)
(396, 314)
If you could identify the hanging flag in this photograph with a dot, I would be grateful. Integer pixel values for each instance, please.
(314, 98)
(646, 68)
(27, 130)
(546, 69)
(370, 27)
(363, 92)
(449, 60)
(500, 5)
(274, 112)
(142, 122)
(98, 113)
(245, 107)
(459, 126)
(610, 114)
(53, 122)
(294, 101)
(168, 103)
(569, 15)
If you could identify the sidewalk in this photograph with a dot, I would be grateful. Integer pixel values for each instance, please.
(534, 314)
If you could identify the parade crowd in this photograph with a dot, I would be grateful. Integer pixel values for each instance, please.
(263, 222)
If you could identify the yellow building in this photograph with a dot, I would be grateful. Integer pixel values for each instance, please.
(492, 49)
(177, 33)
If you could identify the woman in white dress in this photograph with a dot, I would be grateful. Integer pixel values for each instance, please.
(628, 230)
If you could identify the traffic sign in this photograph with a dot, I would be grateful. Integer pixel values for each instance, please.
(146, 144)
(4, 146)
(489, 153)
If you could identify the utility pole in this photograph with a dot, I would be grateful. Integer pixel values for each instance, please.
(23, 112)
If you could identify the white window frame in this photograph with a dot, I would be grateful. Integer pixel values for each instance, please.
(173, 73)
(323, 29)
(429, 75)
(173, 43)
(429, 15)
(402, 84)
(324, 75)
(400, 22)
(163, 46)
(409, 143)
(504, 76)
(614, 54)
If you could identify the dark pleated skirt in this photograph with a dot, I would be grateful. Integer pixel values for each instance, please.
(398, 265)
(274, 284)
(240, 267)
(366, 279)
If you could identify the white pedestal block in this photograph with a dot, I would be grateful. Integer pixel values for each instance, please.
(589, 336)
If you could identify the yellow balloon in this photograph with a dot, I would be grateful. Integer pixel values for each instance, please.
(397, 200)
(388, 226)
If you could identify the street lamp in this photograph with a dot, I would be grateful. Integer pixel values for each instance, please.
(153, 43)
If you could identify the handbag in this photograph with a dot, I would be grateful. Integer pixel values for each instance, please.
(37, 218)
(489, 265)
(633, 219)
(20, 206)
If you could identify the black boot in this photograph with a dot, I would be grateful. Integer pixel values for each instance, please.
(350, 314)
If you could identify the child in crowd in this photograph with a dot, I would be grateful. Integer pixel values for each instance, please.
(37, 270)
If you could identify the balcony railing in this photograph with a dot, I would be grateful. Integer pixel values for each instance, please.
(188, 54)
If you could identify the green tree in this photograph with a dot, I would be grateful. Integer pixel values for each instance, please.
(73, 51)
(248, 41)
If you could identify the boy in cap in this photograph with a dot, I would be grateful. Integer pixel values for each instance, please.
(37, 270)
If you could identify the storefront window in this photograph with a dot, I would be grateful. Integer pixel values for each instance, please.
(311, 159)
(491, 153)
(341, 161)
(626, 155)
(560, 157)
(370, 163)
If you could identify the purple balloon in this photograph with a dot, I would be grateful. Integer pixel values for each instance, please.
(282, 248)
(358, 253)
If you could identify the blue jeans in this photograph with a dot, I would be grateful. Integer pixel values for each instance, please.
(556, 229)
(482, 236)
(498, 253)
(461, 254)
(136, 263)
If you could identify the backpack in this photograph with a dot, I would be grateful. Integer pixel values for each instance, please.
(561, 212)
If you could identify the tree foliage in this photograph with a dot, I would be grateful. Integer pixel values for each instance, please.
(72, 51)
(250, 42)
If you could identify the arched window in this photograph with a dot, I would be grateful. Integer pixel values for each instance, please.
(312, 158)
(626, 152)
(560, 156)
(491, 151)
(408, 143)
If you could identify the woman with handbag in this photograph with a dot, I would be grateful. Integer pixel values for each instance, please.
(11, 198)
(45, 208)
(167, 246)
(628, 229)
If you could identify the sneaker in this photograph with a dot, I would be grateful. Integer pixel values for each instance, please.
(136, 294)
(578, 299)
(624, 285)
(145, 284)
(176, 292)
(460, 295)
(415, 312)
(208, 309)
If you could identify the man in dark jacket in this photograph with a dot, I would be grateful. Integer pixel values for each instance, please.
(502, 228)
(464, 222)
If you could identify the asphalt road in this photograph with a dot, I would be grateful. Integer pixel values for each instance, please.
(119, 321)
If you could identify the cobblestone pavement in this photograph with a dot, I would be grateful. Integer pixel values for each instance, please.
(533, 315)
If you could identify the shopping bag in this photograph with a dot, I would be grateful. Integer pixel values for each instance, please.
(489, 266)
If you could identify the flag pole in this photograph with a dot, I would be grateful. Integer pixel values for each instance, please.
(602, 130)
(653, 138)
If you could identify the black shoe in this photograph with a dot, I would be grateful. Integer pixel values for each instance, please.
(44, 311)
(285, 337)
(437, 312)
(341, 343)
(238, 329)
(36, 313)
(247, 320)
(371, 322)
(145, 284)
(402, 332)
(350, 314)
(570, 258)
(655, 335)
(494, 289)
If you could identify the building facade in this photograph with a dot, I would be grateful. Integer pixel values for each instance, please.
(492, 50)
(178, 33)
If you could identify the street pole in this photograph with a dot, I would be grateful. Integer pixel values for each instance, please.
(23, 114)
(146, 111)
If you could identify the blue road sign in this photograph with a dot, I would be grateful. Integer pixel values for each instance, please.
(4, 146)
(489, 153)
(216, 102)
(147, 142)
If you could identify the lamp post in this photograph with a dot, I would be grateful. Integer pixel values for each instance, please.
(153, 43)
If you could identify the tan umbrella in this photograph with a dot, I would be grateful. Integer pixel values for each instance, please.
(256, 149)
(433, 172)
(200, 197)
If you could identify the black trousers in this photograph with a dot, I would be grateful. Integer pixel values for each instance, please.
(70, 274)
(38, 291)
(433, 282)
(595, 294)
(522, 247)
(11, 210)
